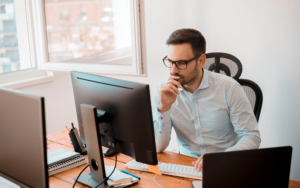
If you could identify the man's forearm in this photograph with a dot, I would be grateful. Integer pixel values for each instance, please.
(248, 141)
(162, 130)
(163, 109)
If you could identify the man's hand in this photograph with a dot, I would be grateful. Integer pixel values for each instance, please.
(168, 93)
(198, 164)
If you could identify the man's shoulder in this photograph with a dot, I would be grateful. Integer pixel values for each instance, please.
(224, 79)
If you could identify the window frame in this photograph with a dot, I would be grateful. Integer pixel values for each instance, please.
(29, 76)
(38, 10)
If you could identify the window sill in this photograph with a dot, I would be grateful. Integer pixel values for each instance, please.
(28, 79)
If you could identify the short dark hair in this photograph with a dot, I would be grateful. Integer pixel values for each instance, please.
(191, 36)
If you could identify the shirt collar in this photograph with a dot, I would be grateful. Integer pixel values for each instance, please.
(204, 83)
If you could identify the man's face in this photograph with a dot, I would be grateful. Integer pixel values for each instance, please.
(183, 52)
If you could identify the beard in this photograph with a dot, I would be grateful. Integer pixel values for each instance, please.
(183, 80)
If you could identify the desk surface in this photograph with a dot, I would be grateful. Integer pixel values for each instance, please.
(65, 179)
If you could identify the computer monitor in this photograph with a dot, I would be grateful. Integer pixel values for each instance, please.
(129, 107)
(23, 155)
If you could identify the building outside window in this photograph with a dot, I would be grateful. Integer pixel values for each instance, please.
(90, 31)
(9, 51)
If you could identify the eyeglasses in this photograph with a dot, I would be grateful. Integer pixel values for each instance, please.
(181, 64)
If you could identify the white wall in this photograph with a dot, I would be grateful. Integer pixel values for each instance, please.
(262, 34)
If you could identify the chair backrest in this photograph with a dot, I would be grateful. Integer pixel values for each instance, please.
(223, 63)
(254, 95)
(229, 65)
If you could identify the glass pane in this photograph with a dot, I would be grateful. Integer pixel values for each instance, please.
(89, 31)
(9, 51)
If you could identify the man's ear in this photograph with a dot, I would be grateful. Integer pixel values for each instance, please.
(201, 60)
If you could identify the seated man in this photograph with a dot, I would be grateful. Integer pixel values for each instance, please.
(210, 112)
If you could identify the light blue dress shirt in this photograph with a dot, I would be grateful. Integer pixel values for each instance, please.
(217, 117)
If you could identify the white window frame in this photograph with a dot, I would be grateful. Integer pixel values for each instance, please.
(30, 76)
(38, 10)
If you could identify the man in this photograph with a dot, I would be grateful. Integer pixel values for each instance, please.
(209, 111)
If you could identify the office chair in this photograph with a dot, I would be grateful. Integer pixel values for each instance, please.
(254, 95)
(229, 65)
(223, 63)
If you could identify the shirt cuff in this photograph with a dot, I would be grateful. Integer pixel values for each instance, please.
(161, 117)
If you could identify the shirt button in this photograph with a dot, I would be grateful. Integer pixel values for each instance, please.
(196, 117)
(194, 100)
(198, 135)
(159, 131)
(161, 118)
(202, 147)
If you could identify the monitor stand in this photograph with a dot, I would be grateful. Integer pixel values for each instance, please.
(91, 120)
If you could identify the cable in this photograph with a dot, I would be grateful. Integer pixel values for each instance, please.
(114, 167)
(79, 175)
(156, 182)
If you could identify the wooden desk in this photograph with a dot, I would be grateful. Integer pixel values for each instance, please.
(65, 179)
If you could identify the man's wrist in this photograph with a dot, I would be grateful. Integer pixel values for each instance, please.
(163, 109)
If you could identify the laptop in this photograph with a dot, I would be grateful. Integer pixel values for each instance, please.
(268, 167)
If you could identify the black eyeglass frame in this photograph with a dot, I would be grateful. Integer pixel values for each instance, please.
(175, 62)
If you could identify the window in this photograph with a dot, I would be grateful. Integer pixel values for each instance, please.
(101, 36)
(9, 50)
(18, 65)
(91, 35)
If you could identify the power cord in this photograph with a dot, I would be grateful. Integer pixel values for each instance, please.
(80, 174)
(156, 182)
(113, 169)
(106, 177)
